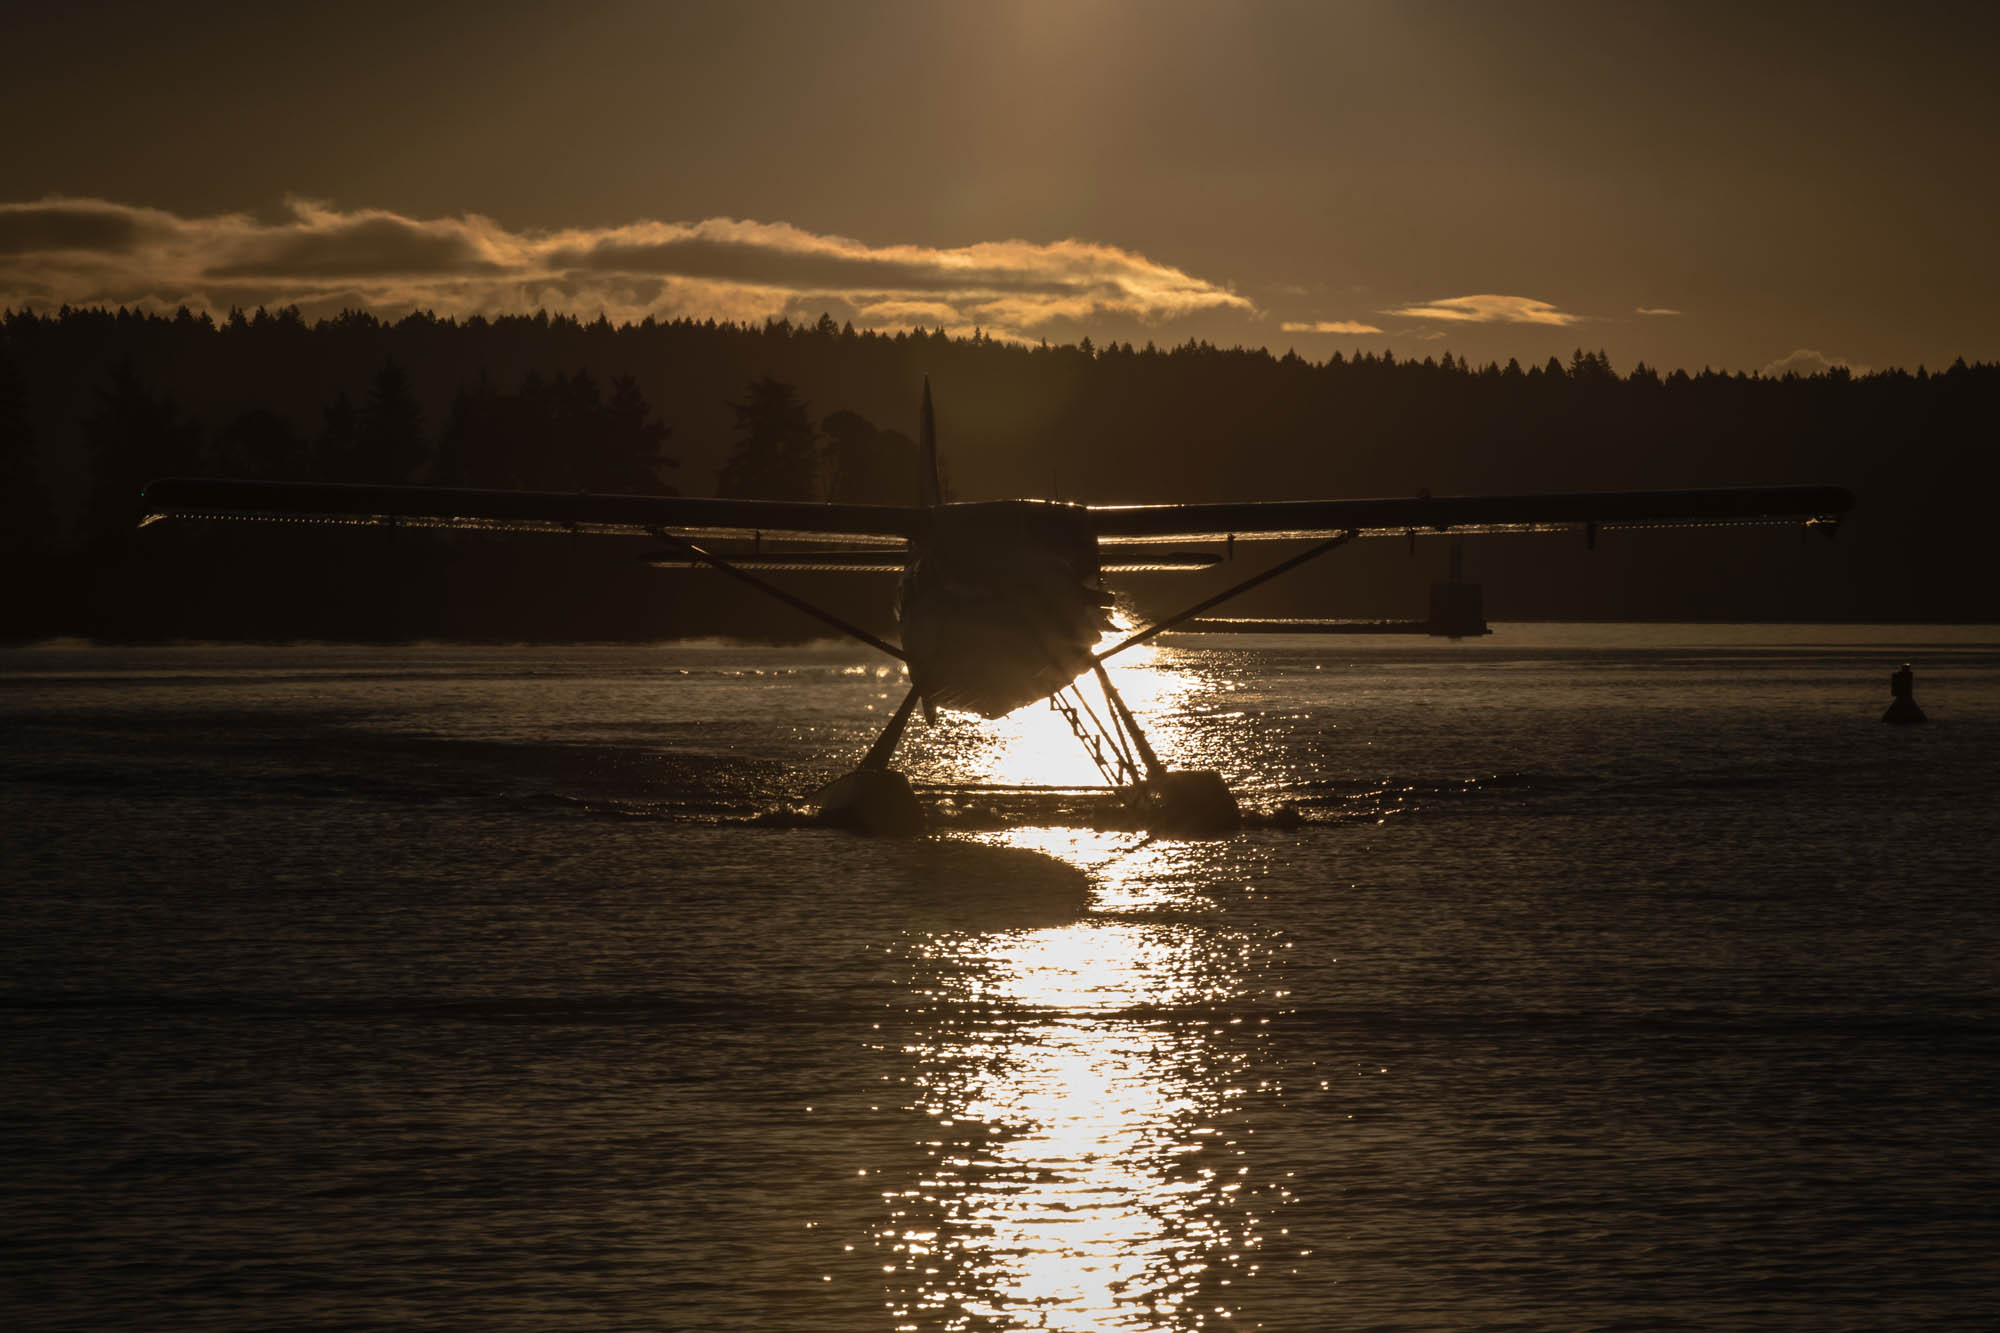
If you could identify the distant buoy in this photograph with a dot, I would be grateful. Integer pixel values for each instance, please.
(1903, 707)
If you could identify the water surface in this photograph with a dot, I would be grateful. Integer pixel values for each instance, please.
(1580, 976)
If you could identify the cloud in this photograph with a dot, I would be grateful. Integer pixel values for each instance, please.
(1329, 326)
(1806, 362)
(61, 224)
(1487, 310)
(323, 259)
(1655, 310)
(323, 244)
(905, 314)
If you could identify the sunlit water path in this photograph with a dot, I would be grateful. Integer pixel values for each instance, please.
(1575, 977)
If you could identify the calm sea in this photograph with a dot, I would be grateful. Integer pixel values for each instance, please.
(1577, 977)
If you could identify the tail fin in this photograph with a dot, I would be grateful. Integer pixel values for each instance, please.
(928, 490)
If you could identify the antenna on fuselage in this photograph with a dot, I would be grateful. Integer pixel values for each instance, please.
(928, 490)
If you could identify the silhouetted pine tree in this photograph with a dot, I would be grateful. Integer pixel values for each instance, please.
(868, 465)
(133, 436)
(633, 455)
(259, 443)
(389, 441)
(776, 455)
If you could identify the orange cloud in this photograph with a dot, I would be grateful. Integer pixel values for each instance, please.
(1329, 326)
(1488, 310)
(323, 259)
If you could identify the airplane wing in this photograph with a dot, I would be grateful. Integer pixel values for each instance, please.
(1146, 559)
(1588, 511)
(890, 526)
(528, 511)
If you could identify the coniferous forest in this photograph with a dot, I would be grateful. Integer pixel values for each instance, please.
(95, 403)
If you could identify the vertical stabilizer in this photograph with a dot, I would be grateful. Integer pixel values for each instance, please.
(928, 491)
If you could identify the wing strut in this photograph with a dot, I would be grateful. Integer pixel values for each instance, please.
(884, 748)
(1155, 770)
(1208, 603)
(796, 603)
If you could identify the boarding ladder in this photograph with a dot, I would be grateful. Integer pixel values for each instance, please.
(1106, 746)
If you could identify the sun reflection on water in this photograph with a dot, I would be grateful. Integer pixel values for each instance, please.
(1081, 1108)
(1034, 745)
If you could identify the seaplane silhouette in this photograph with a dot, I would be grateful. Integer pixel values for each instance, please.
(1001, 603)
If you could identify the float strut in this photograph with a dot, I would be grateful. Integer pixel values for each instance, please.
(1154, 768)
(875, 798)
(884, 748)
(1194, 803)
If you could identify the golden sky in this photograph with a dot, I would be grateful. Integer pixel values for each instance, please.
(1690, 185)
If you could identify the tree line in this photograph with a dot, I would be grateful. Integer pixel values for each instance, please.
(93, 403)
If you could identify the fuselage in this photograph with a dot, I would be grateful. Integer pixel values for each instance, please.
(1001, 603)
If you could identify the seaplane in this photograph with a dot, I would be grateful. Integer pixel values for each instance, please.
(1001, 603)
